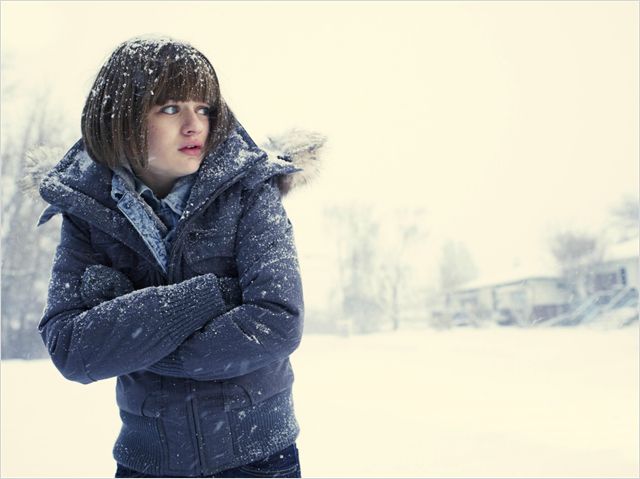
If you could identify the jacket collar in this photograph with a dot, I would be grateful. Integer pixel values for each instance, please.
(82, 187)
(124, 180)
(233, 158)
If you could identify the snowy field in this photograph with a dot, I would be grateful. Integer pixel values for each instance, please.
(462, 403)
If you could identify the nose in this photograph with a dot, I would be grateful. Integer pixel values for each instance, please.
(193, 123)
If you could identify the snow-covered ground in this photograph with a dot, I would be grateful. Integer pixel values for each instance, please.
(461, 403)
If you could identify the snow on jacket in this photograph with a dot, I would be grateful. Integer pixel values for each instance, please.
(201, 352)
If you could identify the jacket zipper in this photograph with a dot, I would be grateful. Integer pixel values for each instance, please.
(193, 413)
(177, 245)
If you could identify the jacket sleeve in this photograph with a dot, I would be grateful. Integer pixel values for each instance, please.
(124, 334)
(267, 326)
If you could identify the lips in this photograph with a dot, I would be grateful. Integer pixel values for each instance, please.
(191, 149)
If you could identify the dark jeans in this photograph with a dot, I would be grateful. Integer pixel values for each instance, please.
(285, 463)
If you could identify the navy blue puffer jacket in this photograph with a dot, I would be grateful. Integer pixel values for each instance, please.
(200, 353)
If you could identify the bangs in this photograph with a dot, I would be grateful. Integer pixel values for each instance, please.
(186, 77)
(140, 73)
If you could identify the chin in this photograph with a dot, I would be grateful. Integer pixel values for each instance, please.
(192, 168)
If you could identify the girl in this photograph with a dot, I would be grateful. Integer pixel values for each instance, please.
(176, 271)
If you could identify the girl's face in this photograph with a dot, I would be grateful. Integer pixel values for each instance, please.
(177, 132)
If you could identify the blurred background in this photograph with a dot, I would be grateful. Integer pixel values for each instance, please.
(481, 162)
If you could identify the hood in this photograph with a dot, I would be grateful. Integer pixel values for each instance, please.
(81, 186)
(302, 149)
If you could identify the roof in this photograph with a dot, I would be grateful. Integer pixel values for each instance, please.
(532, 270)
(474, 285)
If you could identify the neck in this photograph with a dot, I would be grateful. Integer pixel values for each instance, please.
(160, 186)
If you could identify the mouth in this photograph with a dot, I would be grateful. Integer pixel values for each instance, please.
(192, 149)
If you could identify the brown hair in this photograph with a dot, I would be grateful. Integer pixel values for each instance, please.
(140, 73)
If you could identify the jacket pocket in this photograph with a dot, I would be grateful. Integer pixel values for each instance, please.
(139, 394)
(265, 383)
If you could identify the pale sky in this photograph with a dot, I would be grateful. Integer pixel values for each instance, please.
(504, 120)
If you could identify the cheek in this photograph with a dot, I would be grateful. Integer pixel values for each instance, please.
(153, 139)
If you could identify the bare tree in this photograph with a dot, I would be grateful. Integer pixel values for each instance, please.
(408, 228)
(26, 252)
(576, 252)
(625, 217)
(357, 231)
(456, 266)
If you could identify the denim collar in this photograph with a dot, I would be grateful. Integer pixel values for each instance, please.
(154, 219)
(175, 200)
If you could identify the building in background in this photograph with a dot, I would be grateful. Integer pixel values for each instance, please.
(517, 301)
(606, 292)
(618, 270)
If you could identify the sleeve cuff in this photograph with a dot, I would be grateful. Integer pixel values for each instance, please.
(192, 304)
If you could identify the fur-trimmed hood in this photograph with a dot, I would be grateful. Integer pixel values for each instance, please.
(301, 148)
(296, 147)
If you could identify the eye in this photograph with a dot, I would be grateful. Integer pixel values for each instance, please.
(204, 110)
(169, 109)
